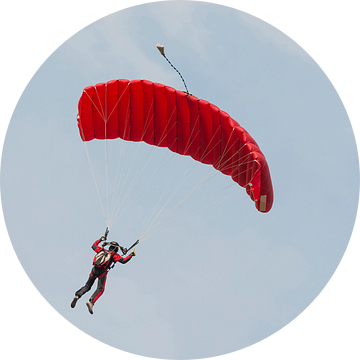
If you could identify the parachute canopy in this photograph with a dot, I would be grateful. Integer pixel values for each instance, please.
(140, 110)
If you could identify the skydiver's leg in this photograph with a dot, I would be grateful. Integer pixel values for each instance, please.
(99, 291)
(100, 288)
(87, 286)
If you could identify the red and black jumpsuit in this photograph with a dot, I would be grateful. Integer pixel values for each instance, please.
(100, 273)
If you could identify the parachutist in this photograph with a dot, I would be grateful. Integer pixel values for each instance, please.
(103, 261)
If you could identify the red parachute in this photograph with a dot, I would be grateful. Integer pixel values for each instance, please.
(140, 110)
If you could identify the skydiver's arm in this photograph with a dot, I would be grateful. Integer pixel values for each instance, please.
(96, 246)
(121, 259)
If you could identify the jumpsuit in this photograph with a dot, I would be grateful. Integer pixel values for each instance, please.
(100, 273)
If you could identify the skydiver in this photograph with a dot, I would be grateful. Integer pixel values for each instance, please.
(101, 268)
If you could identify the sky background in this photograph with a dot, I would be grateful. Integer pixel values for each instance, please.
(280, 87)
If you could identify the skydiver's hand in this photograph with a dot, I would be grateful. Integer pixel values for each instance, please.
(133, 253)
(102, 238)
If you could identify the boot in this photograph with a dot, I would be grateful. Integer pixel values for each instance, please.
(73, 303)
(90, 305)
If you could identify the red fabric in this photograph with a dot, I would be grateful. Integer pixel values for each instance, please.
(140, 110)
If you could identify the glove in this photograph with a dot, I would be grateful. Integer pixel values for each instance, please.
(133, 253)
(102, 238)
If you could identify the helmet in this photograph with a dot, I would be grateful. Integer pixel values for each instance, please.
(114, 246)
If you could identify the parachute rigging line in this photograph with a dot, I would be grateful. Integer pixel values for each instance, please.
(96, 186)
(161, 48)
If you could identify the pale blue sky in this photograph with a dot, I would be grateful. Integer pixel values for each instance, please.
(283, 87)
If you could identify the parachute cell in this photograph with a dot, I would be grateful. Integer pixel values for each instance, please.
(140, 110)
